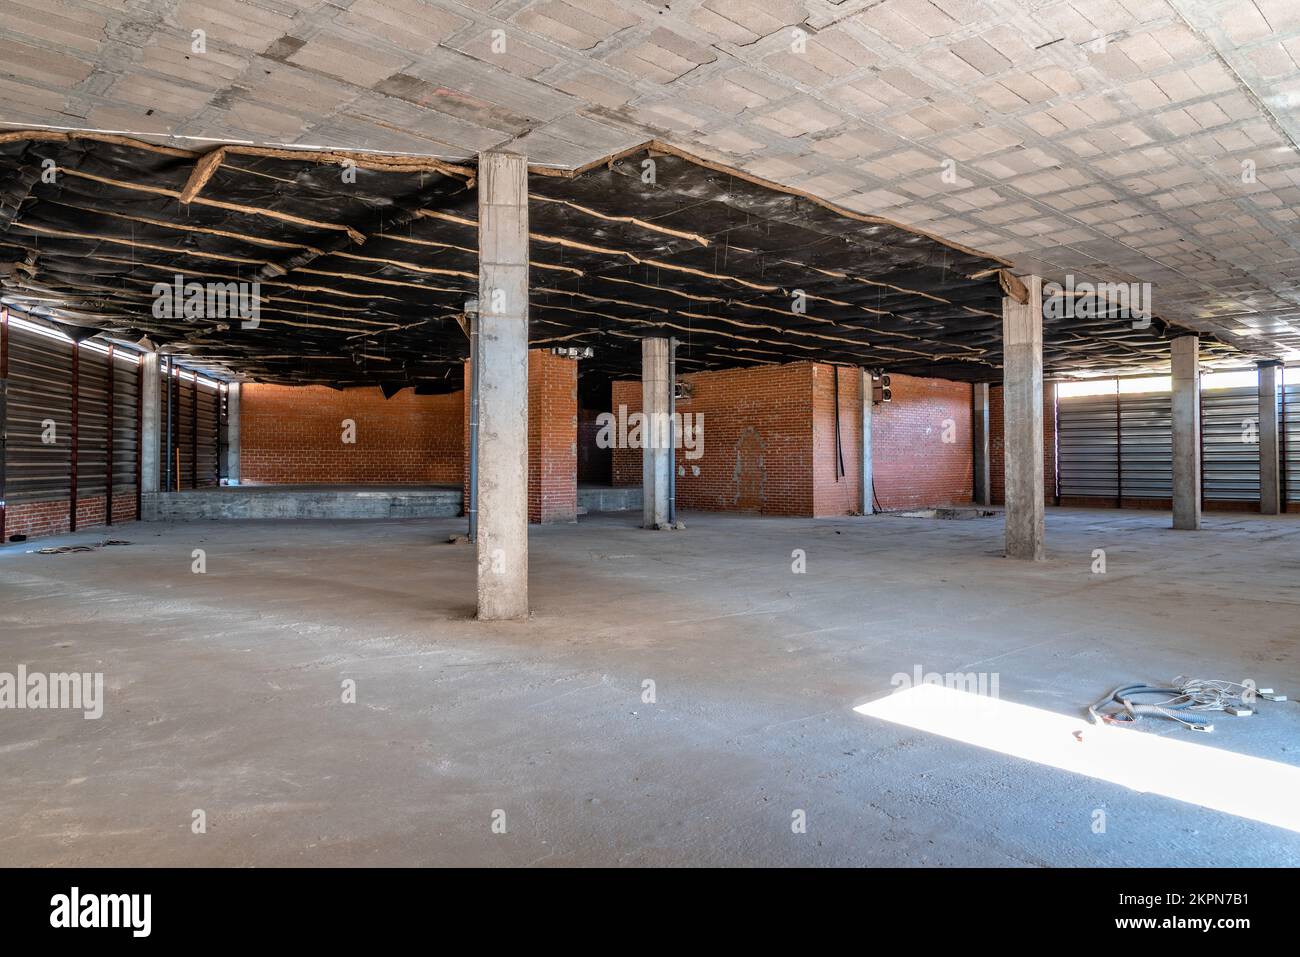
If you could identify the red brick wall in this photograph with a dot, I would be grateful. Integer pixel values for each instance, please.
(625, 464)
(997, 449)
(757, 441)
(35, 519)
(913, 467)
(552, 438)
(293, 435)
(834, 495)
(769, 440)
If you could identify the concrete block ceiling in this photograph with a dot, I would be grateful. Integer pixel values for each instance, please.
(1138, 141)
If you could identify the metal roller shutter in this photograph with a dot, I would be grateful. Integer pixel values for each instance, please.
(1087, 444)
(126, 440)
(1290, 440)
(92, 423)
(1230, 444)
(168, 450)
(1090, 454)
(208, 464)
(40, 376)
(1146, 424)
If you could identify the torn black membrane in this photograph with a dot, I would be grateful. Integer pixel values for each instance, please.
(364, 265)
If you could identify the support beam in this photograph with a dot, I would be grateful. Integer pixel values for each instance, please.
(169, 428)
(194, 431)
(230, 446)
(867, 505)
(4, 413)
(471, 390)
(1022, 401)
(109, 383)
(1186, 378)
(75, 438)
(150, 421)
(501, 492)
(980, 443)
(1270, 473)
(672, 431)
(656, 456)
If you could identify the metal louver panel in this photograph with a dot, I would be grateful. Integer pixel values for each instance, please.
(1230, 444)
(207, 467)
(168, 449)
(126, 391)
(92, 424)
(1290, 441)
(1146, 424)
(39, 409)
(1087, 438)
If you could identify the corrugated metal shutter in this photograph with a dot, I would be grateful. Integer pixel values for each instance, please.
(126, 440)
(167, 450)
(1087, 439)
(1291, 440)
(40, 377)
(1146, 423)
(92, 424)
(194, 434)
(40, 371)
(1230, 444)
(208, 465)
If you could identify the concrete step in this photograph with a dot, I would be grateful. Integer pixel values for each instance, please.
(267, 502)
(602, 499)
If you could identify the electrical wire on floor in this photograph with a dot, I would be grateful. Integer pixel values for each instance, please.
(1187, 701)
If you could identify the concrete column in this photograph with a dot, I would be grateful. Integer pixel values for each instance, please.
(656, 456)
(980, 437)
(1022, 421)
(1270, 476)
(230, 468)
(150, 420)
(867, 504)
(501, 494)
(1185, 365)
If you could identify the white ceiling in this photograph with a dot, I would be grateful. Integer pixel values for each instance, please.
(1106, 138)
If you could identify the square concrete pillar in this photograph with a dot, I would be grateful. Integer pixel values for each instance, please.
(1022, 412)
(1186, 377)
(150, 421)
(656, 452)
(1270, 474)
(980, 443)
(867, 505)
(501, 491)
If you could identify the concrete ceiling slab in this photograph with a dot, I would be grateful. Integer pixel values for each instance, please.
(1117, 140)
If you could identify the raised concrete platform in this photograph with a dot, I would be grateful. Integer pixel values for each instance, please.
(236, 502)
(607, 498)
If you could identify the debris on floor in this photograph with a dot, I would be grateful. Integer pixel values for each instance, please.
(65, 549)
(952, 514)
(1186, 700)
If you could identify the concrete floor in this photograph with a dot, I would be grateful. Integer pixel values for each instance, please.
(224, 692)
